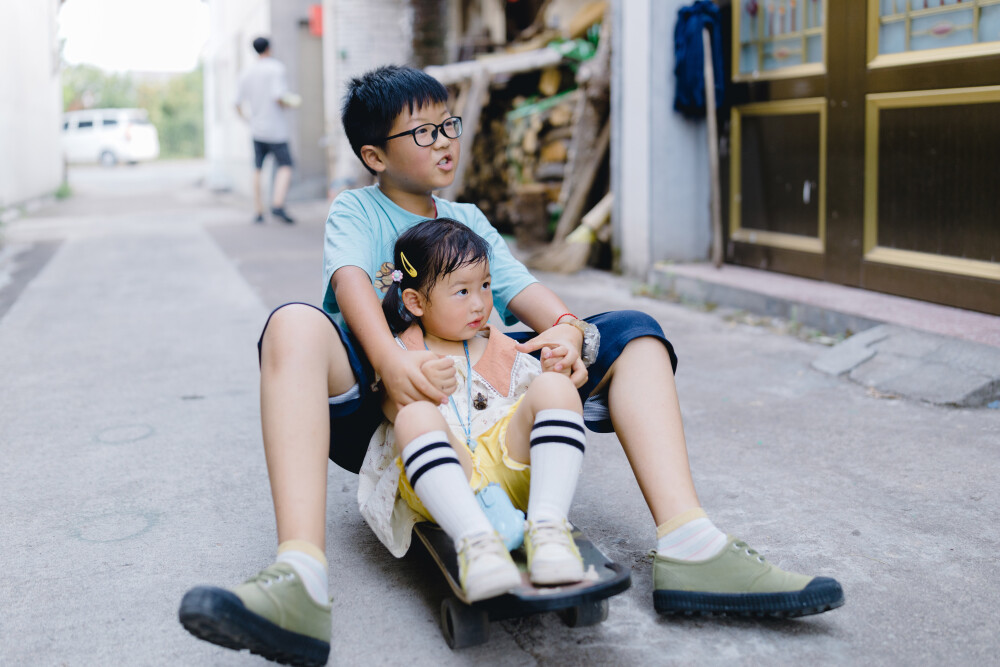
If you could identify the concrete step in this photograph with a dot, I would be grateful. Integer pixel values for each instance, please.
(893, 345)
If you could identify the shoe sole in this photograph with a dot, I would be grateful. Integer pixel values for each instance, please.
(493, 590)
(219, 616)
(555, 576)
(821, 594)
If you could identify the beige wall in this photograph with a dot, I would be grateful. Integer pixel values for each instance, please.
(659, 159)
(30, 101)
(228, 147)
(358, 36)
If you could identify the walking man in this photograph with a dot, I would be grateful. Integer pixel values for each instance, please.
(264, 89)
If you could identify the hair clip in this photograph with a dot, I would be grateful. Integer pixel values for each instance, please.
(406, 265)
(397, 276)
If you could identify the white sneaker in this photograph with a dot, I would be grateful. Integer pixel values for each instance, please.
(552, 554)
(485, 568)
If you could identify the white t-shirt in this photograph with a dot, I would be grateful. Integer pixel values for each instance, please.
(261, 87)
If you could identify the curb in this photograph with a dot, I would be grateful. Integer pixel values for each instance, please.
(699, 290)
(893, 361)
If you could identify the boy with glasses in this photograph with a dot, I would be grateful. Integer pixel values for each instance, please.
(323, 374)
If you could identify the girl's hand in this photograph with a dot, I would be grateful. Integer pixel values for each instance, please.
(560, 352)
(554, 360)
(441, 373)
(404, 379)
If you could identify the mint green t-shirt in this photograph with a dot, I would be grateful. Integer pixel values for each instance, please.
(362, 228)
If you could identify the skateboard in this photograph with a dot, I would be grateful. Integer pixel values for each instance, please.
(578, 605)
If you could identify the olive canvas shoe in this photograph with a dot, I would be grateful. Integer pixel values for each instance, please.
(739, 581)
(271, 615)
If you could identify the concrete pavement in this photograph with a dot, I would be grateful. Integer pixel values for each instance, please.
(132, 469)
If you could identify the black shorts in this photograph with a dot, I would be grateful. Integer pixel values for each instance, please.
(280, 151)
(354, 419)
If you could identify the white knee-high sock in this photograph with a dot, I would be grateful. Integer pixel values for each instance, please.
(557, 445)
(436, 475)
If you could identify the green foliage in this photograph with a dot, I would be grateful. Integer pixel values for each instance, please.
(64, 191)
(175, 104)
(176, 109)
(85, 86)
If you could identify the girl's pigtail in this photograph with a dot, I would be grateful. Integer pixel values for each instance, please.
(396, 314)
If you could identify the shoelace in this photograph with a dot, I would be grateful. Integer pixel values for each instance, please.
(477, 546)
(267, 577)
(550, 532)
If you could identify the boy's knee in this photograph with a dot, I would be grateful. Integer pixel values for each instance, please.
(644, 340)
(296, 327)
(294, 316)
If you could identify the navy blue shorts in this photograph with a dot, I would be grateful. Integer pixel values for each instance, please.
(353, 421)
(281, 153)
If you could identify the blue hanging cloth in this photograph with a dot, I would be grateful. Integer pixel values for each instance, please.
(689, 68)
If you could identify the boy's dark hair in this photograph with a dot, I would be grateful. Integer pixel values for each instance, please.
(374, 99)
(261, 44)
(433, 249)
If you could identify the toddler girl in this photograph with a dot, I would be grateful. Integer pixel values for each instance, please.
(506, 422)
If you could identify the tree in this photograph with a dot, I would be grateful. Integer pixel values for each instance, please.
(86, 87)
(176, 109)
(175, 104)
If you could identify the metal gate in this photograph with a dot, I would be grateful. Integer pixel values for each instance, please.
(865, 144)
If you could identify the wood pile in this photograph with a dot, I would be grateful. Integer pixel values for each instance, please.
(536, 134)
(539, 135)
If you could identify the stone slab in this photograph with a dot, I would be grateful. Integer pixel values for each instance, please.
(917, 365)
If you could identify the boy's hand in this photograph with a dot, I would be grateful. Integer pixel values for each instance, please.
(404, 379)
(560, 352)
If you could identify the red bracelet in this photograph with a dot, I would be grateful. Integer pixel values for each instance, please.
(564, 315)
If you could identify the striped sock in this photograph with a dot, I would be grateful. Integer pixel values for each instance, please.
(436, 475)
(557, 445)
(310, 563)
(689, 536)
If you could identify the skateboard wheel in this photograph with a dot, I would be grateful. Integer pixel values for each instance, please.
(462, 625)
(590, 613)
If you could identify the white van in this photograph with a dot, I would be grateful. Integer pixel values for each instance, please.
(109, 136)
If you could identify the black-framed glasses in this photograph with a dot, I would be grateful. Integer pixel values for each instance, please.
(426, 134)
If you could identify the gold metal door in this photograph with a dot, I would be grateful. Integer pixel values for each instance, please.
(865, 144)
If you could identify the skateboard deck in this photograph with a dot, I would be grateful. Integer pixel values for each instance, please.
(580, 604)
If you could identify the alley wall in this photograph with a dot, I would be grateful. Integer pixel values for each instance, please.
(659, 159)
(30, 101)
